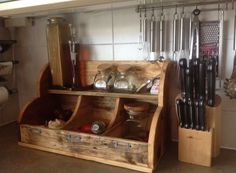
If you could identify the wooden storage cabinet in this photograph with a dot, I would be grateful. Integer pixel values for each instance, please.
(87, 106)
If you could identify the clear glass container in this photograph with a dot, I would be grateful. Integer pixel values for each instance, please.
(105, 77)
(137, 118)
(122, 82)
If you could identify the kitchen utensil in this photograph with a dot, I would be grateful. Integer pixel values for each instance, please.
(201, 114)
(196, 115)
(162, 35)
(185, 114)
(182, 75)
(202, 78)
(196, 77)
(194, 48)
(191, 113)
(140, 47)
(189, 82)
(180, 112)
(211, 80)
(175, 35)
(153, 53)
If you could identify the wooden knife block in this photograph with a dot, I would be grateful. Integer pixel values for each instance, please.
(198, 147)
(195, 146)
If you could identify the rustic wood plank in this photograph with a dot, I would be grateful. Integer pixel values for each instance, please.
(154, 135)
(105, 94)
(85, 144)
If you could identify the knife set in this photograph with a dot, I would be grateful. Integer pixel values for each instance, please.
(122, 78)
(197, 82)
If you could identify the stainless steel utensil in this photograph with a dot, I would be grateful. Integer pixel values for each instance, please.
(162, 35)
(194, 48)
(175, 35)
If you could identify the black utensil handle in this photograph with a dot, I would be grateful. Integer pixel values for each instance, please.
(182, 76)
(186, 117)
(189, 82)
(202, 79)
(196, 113)
(180, 111)
(196, 77)
(211, 79)
(191, 113)
(201, 113)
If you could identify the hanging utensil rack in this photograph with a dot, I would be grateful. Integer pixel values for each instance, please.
(174, 4)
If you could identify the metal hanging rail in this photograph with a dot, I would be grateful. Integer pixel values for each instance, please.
(165, 5)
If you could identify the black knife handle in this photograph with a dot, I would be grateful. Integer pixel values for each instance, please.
(189, 82)
(202, 79)
(186, 117)
(196, 113)
(180, 112)
(196, 77)
(201, 114)
(191, 113)
(182, 68)
(211, 80)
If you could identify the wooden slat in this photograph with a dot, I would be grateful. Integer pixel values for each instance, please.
(85, 144)
(90, 110)
(105, 94)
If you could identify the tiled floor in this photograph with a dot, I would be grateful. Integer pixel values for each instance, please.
(16, 159)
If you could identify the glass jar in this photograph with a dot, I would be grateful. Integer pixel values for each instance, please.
(105, 77)
(137, 118)
(122, 82)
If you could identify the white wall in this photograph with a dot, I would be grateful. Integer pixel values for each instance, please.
(113, 35)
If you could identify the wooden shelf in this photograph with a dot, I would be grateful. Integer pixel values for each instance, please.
(100, 93)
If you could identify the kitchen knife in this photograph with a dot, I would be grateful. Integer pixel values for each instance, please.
(196, 114)
(185, 115)
(180, 112)
(196, 77)
(182, 76)
(211, 80)
(189, 82)
(190, 112)
(202, 78)
(201, 114)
